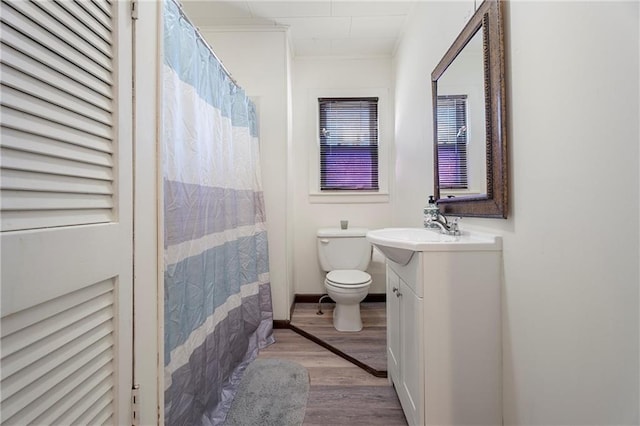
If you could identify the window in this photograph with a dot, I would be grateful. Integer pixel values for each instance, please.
(348, 134)
(452, 141)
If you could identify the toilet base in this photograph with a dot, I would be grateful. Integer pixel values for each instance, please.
(347, 317)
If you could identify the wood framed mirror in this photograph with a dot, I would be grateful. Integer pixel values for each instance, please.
(469, 119)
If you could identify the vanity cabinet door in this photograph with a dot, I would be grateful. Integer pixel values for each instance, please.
(404, 346)
(411, 355)
(393, 325)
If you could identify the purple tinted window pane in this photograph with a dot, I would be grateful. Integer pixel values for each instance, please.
(452, 165)
(349, 167)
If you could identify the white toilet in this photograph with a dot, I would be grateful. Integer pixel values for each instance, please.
(345, 254)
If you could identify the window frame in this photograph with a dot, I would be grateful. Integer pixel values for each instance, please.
(345, 165)
(316, 195)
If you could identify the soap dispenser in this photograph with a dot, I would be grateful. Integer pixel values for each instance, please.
(431, 211)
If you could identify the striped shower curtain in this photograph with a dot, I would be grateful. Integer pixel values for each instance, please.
(217, 306)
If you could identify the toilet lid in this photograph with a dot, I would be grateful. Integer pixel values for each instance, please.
(348, 276)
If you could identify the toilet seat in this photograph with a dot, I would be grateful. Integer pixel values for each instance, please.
(348, 278)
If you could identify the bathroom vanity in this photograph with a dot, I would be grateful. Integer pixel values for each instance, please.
(444, 325)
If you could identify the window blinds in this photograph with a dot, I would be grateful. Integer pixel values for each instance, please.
(348, 134)
(452, 141)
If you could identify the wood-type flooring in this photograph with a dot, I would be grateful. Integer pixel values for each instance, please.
(367, 346)
(340, 393)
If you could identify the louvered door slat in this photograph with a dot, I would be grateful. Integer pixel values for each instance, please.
(86, 33)
(81, 15)
(98, 13)
(26, 200)
(44, 365)
(82, 46)
(20, 160)
(28, 181)
(30, 124)
(22, 409)
(21, 101)
(29, 66)
(26, 142)
(11, 37)
(98, 324)
(42, 375)
(71, 409)
(105, 6)
(29, 29)
(104, 417)
(43, 91)
(96, 307)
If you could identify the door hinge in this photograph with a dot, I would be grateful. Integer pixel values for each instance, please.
(134, 9)
(135, 397)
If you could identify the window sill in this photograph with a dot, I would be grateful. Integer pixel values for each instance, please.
(348, 197)
(459, 192)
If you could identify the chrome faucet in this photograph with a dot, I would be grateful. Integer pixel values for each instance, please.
(433, 219)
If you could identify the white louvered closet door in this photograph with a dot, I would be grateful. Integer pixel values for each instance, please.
(66, 212)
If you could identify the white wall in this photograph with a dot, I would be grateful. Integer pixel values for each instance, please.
(258, 61)
(313, 77)
(571, 243)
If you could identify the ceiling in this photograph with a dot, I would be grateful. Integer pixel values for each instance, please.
(316, 28)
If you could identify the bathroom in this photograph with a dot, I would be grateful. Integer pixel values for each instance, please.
(570, 290)
(571, 241)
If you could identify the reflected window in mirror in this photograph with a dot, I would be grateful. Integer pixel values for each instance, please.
(452, 142)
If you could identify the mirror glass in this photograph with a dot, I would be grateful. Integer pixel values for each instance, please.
(468, 87)
(462, 151)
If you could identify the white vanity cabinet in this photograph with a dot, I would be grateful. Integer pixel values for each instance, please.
(444, 336)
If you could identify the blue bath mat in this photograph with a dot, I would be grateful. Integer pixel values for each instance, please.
(272, 392)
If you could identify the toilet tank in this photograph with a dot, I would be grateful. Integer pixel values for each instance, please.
(343, 249)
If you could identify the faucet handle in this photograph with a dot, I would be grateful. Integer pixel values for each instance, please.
(454, 226)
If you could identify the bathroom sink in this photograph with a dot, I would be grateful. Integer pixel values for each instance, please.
(399, 244)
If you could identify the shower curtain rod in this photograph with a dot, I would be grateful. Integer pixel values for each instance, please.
(197, 31)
